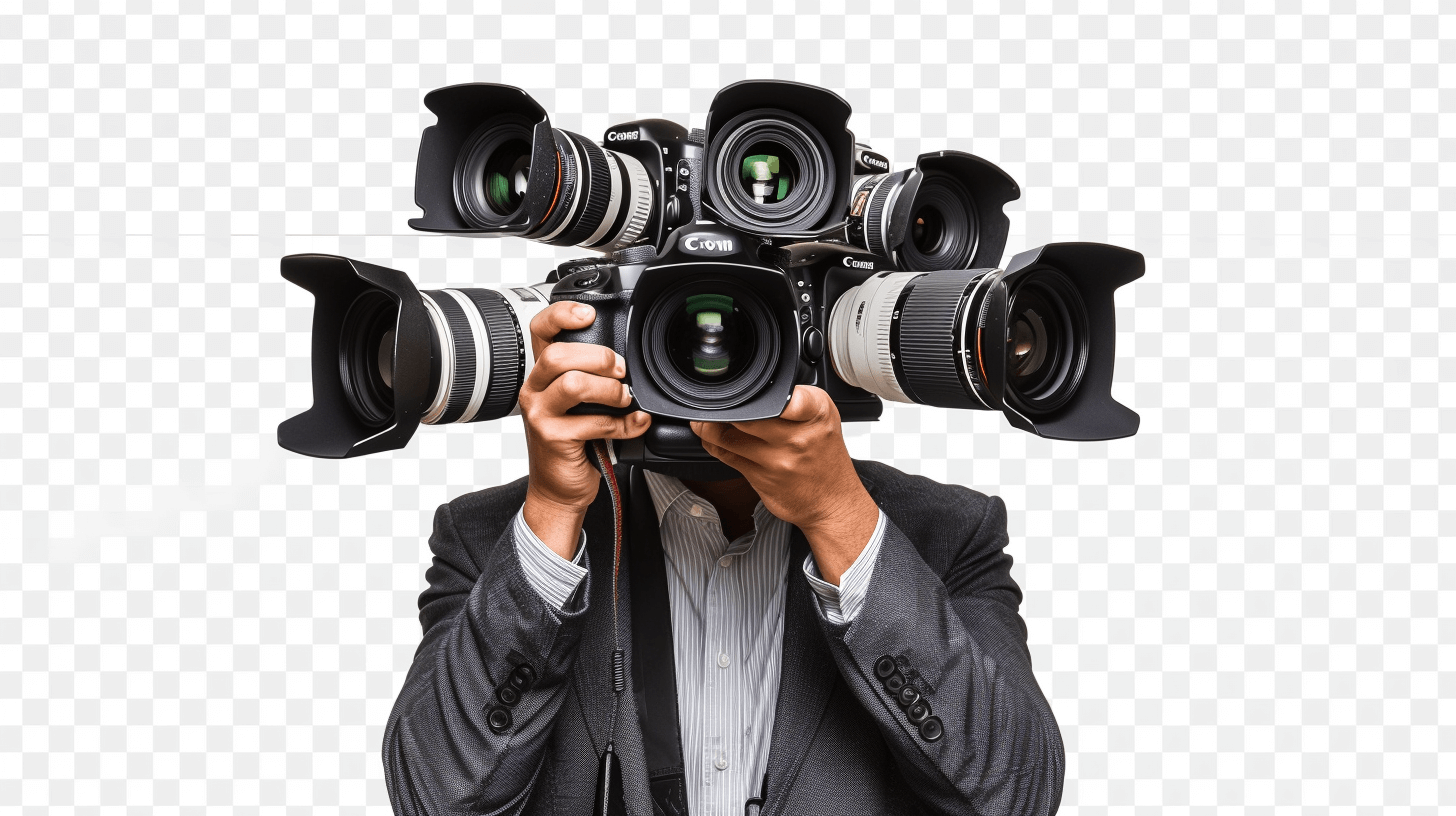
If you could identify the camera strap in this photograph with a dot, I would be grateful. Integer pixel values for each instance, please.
(654, 677)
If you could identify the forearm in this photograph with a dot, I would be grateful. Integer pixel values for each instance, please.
(998, 749)
(442, 752)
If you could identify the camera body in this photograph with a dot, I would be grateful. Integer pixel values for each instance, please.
(782, 295)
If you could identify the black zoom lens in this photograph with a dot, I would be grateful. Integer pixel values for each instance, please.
(710, 343)
(773, 171)
(366, 357)
(1046, 342)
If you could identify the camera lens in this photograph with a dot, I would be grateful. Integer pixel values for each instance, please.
(366, 357)
(921, 337)
(1046, 344)
(710, 343)
(492, 171)
(506, 174)
(772, 170)
(942, 231)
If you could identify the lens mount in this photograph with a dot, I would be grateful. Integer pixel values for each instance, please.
(795, 162)
(752, 338)
(1046, 342)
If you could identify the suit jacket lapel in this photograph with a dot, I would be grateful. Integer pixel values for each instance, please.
(807, 678)
(592, 675)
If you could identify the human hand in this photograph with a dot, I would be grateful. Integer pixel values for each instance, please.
(563, 480)
(800, 467)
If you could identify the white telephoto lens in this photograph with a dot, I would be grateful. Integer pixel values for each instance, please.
(859, 334)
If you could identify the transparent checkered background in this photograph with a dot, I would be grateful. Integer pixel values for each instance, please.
(1241, 609)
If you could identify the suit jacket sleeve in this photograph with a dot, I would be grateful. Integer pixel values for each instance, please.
(954, 634)
(483, 622)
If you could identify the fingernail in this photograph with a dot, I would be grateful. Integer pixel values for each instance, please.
(581, 310)
(621, 363)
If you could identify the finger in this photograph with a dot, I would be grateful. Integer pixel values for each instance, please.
(740, 463)
(576, 386)
(728, 437)
(584, 427)
(557, 317)
(558, 358)
(806, 405)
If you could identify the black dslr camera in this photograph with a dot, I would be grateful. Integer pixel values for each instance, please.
(765, 251)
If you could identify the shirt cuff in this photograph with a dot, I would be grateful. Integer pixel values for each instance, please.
(840, 604)
(554, 578)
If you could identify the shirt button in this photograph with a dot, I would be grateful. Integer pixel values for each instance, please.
(725, 561)
(722, 661)
(720, 763)
(696, 510)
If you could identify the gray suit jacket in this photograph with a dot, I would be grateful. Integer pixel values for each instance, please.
(941, 603)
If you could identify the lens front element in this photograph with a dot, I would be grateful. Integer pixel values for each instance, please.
(1046, 343)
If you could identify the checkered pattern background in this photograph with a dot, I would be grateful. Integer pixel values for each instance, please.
(1241, 609)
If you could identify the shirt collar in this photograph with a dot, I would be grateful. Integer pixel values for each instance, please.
(669, 494)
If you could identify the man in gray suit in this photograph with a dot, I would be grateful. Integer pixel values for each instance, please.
(845, 637)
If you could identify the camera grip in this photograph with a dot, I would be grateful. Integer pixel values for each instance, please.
(603, 331)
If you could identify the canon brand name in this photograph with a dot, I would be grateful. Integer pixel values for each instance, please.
(874, 161)
(623, 135)
(857, 264)
(708, 244)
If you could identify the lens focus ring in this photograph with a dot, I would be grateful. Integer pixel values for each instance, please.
(596, 193)
(507, 353)
(924, 339)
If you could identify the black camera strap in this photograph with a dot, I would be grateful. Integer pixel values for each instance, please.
(654, 677)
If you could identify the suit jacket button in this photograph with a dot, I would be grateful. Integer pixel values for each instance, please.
(523, 677)
(499, 719)
(507, 694)
(909, 696)
(918, 712)
(895, 682)
(931, 730)
(884, 667)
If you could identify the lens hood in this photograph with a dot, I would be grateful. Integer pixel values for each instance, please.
(794, 107)
(1096, 271)
(330, 429)
(462, 111)
(989, 187)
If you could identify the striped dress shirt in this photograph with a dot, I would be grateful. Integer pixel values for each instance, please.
(727, 601)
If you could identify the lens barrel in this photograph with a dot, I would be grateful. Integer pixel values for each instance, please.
(494, 165)
(387, 357)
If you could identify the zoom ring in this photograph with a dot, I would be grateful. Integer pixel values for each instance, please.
(507, 353)
(464, 381)
(924, 347)
(639, 199)
(596, 193)
(874, 222)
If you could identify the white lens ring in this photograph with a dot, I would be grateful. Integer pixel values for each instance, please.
(614, 204)
(638, 196)
(859, 329)
(446, 342)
